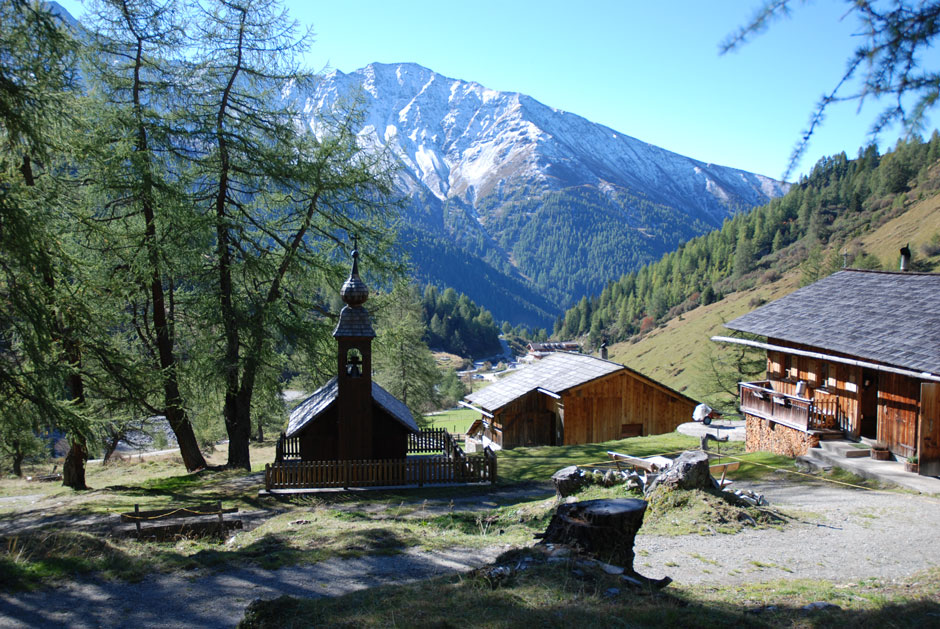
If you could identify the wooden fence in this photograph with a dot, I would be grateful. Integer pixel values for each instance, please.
(428, 470)
(433, 441)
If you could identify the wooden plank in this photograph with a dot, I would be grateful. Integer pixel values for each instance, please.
(632, 461)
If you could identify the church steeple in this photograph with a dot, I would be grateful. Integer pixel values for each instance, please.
(354, 336)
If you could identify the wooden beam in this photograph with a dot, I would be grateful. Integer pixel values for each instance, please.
(923, 375)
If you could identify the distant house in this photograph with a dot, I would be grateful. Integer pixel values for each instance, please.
(541, 350)
(567, 399)
(351, 417)
(856, 354)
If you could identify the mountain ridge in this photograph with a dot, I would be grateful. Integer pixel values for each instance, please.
(477, 163)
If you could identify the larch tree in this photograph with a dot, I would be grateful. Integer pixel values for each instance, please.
(146, 230)
(404, 364)
(282, 195)
(42, 313)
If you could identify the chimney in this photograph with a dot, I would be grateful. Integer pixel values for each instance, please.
(905, 257)
(604, 350)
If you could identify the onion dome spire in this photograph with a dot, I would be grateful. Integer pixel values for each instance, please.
(354, 291)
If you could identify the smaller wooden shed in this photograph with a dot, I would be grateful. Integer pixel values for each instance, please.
(567, 399)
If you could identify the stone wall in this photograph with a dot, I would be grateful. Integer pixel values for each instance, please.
(764, 435)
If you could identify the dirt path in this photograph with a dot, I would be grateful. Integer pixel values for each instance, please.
(219, 600)
(837, 533)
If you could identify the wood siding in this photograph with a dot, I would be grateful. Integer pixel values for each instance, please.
(898, 397)
(320, 439)
(898, 411)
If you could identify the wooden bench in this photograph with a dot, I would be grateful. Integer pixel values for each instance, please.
(140, 518)
(724, 468)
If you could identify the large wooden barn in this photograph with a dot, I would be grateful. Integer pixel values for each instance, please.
(856, 354)
(567, 399)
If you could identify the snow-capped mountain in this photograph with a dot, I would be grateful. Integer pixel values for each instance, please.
(523, 186)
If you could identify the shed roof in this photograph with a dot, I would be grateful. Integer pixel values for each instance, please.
(886, 317)
(556, 373)
(323, 398)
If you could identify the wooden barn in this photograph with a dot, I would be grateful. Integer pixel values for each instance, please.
(567, 399)
(351, 417)
(856, 354)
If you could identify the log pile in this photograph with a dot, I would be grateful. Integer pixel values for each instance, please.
(764, 435)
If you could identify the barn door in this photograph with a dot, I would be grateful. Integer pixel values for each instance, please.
(929, 432)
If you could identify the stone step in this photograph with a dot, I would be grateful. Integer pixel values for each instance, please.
(845, 448)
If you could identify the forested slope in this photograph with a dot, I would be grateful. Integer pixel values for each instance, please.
(678, 351)
(818, 225)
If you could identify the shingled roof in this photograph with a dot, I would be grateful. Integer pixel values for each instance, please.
(886, 317)
(322, 398)
(556, 373)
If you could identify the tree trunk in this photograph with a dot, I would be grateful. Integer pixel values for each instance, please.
(73, 471)
(17, 459)
(604, 529)
(238, 426)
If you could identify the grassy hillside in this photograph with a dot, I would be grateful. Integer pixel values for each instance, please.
(673, 353)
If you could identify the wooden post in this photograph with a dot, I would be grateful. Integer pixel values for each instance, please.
(346, 474)
(218, 505)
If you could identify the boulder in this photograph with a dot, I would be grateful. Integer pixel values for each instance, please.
(568, 480)
(689, 471)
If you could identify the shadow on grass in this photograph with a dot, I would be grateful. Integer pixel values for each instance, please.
(563, 595)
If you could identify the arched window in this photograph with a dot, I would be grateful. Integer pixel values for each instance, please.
(353, 363)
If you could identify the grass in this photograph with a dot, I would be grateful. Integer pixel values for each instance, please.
(562, 595)
(539, 463)
(455, 420)
(312, 528)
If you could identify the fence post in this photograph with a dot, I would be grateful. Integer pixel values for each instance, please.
(346, 474)
(492, 460)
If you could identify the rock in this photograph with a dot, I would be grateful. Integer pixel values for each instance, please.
(611, 592)
(689, 471)
(820, 606)
(568, 480)
(610, 478)
(610, 568)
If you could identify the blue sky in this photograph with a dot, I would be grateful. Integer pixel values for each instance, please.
(651, 70)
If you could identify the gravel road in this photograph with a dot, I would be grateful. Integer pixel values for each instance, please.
(837, 533)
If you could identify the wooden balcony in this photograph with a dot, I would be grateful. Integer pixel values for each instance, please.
(761, 400)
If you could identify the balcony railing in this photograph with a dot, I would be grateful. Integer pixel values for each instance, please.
(758, 398)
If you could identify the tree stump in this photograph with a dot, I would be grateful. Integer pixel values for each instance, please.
(604, 529)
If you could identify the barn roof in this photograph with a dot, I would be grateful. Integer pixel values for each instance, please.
(555, 373)
(886, 317)
(323, 398)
